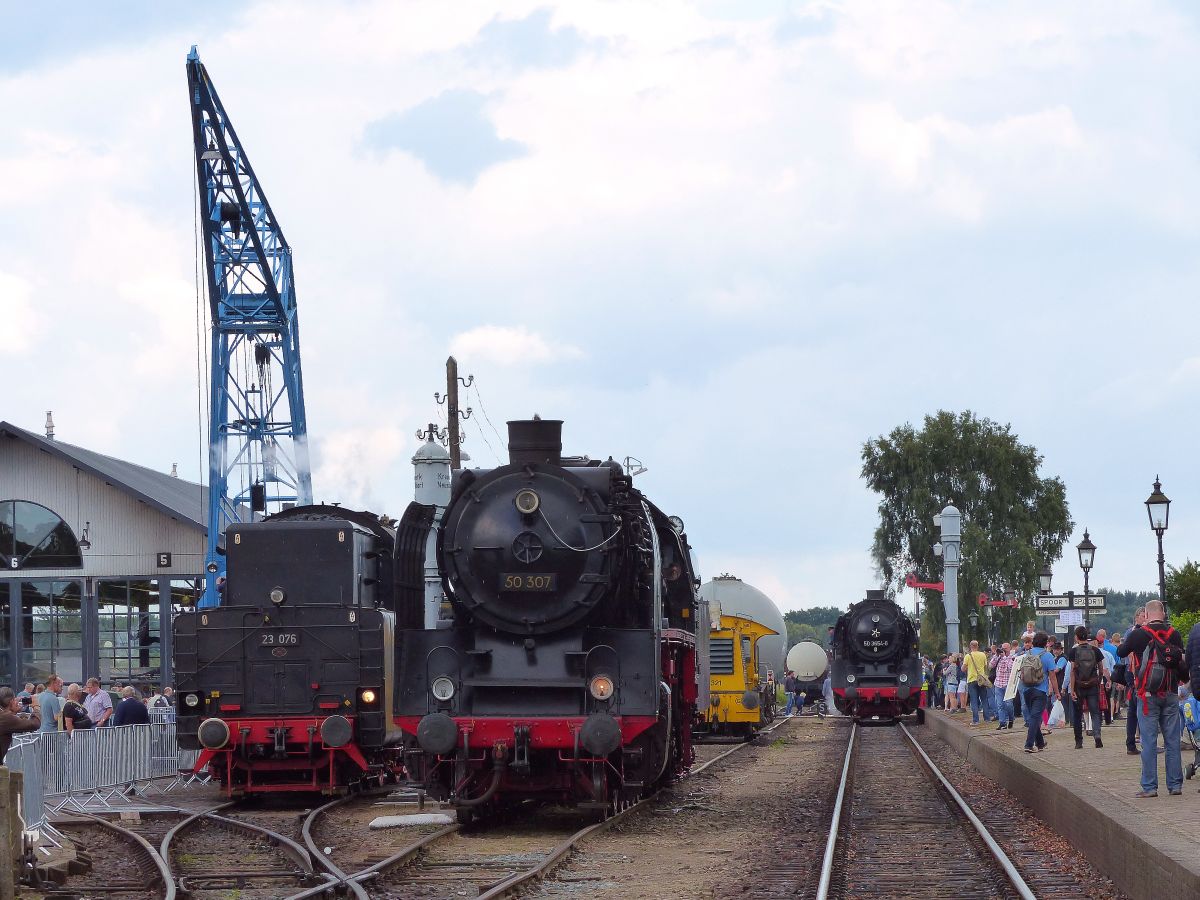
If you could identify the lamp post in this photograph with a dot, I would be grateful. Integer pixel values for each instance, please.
(1158, 508)
(973, 618)
(1010, 603)
(1044, 579)
(1087, 557)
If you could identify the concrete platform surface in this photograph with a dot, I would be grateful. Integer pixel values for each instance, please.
(1149, 847)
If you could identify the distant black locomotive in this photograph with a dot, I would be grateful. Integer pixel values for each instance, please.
(569, 669)
(289, 685)
(876, 670)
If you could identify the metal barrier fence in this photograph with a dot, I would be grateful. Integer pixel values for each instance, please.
(95, 766)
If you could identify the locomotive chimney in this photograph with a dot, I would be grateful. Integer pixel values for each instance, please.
(535, 440)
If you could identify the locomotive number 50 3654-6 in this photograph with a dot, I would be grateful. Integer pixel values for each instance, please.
(528, 582)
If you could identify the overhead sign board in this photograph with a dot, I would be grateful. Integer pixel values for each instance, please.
(1052, 603)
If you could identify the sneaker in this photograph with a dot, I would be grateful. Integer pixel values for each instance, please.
(1145, 794)
(1000, 727)
(1099, 743)
(1129, 752)
(1079, 745)
(1030, 750)
(1176, 793)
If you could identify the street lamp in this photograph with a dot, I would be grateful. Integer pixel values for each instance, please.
(1087, 557)
(973, 618)
(1158, 508)
(1044, 578)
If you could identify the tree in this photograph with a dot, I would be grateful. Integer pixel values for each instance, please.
(798, 631)
(1013, 519)
(1183, 588)
(810, 624)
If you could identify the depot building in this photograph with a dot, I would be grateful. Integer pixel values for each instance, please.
(97, 554)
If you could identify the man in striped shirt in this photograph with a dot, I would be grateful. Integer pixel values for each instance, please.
(1003, 663)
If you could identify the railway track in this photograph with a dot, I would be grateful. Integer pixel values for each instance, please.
(488, 863)
(178, 856)
(900, 809)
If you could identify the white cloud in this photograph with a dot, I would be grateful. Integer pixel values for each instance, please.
(19, 323)
(354, 467)
(778, 249)
(509, 346)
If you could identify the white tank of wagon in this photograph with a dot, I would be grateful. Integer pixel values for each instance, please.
(809, 661)
(730, 596)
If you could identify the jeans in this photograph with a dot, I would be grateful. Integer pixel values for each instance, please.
(792, 704)
(1090, 696)
(1131, 722)
(1004, 709)
(980, 697)
(1157, 714)
(1034, 704)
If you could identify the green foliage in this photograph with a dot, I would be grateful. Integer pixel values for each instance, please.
(1183, 622)
(810, 624)
(797, 633)
(820, 617)
(1183, 588)
(1121, 607)
(1012, 518)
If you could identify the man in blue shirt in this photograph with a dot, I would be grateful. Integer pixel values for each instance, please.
(50, 704)
(1034, 697)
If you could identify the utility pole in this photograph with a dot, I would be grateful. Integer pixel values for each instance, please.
(452, 410)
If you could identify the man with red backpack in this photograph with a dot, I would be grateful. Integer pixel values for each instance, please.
(1154, 654)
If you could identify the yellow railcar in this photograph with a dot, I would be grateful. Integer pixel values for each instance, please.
(741, 698)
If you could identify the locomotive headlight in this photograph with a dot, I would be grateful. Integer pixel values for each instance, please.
(601, 687)
(192, 699)
(277, 595)
(850, 679)
(903, 677)
(367, 696)
(527, 502)
(442, 688)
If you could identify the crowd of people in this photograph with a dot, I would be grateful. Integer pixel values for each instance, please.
(53, 707)
(1142, 679)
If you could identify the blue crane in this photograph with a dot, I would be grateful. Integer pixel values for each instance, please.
(258, 436)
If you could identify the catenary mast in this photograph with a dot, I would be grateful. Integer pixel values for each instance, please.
(258, 453)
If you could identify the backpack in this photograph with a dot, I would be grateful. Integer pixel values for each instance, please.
(1033, 673)
(1086, 675)
(1159, 662)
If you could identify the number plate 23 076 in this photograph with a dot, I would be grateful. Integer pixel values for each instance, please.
(279, 639)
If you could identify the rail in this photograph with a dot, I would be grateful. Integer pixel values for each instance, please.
(840, 805)
(517, 882)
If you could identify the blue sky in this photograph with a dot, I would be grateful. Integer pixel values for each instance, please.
(735, 240)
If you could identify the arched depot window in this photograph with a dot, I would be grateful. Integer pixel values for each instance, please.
(33, 537)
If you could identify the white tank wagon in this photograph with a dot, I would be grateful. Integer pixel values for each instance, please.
(809, 662)
(730, 596)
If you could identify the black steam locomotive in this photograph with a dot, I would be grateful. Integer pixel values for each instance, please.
(288, 686)
(876, 670)
(568, 670)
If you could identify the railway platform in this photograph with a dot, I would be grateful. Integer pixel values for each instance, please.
(1146, 846)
